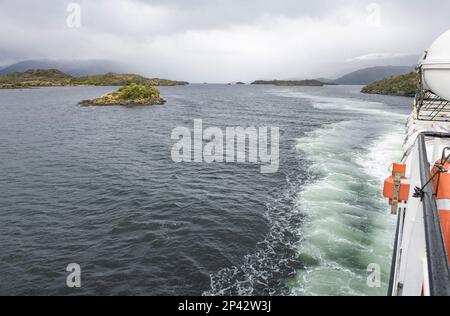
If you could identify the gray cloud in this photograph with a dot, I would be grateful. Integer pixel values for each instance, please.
(223, 40)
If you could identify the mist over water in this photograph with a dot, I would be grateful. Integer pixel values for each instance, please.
(97, 186)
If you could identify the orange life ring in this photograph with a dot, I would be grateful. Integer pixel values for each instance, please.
(442, 188)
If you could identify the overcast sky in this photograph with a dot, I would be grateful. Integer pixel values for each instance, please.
(224, 40)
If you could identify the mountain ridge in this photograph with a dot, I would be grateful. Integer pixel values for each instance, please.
(363, 76)
(72, 67)
(369, 75)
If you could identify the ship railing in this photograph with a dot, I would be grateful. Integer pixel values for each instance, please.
(437, 261)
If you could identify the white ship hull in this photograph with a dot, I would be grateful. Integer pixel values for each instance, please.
(412, 262)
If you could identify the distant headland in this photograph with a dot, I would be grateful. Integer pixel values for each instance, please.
(55, 78)
(403, 85)
(303, 83)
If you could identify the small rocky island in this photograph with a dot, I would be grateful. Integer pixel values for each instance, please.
(131, 95)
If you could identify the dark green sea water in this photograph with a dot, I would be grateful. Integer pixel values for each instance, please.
(96, 186)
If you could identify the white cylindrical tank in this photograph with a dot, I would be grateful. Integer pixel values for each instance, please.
(436, 67)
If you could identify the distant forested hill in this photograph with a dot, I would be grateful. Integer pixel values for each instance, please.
(368, 75)
(403, 85)
(57, 78)
(309, 83)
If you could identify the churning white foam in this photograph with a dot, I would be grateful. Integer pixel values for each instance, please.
(347, 225)
(342, 104)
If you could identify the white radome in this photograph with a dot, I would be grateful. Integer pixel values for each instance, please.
(436, 67)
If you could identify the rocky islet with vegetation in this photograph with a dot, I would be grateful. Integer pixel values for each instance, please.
(131, 95)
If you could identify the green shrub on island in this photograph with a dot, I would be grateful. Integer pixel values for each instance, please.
(133, 94)
(136, 91)
(403, 85)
